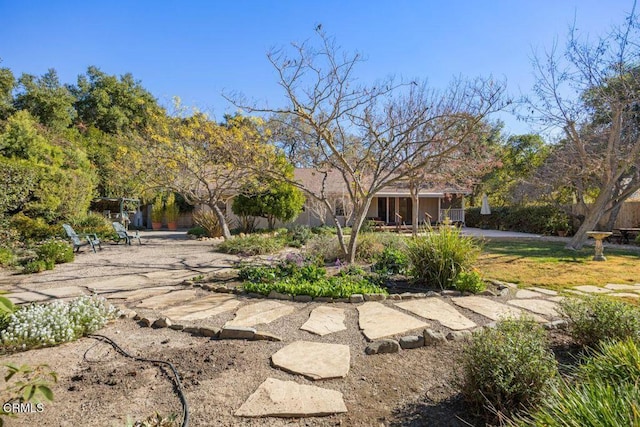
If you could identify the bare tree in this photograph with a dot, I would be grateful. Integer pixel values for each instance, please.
(599, 158)
(369, 134)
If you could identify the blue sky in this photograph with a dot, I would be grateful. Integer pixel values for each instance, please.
(197, 49)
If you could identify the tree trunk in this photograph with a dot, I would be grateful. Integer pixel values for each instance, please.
(416, 211)
(613, 216)
(593, 215)
(358, 220)
(226, 234)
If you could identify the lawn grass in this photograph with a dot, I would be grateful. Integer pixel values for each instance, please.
(549, 264)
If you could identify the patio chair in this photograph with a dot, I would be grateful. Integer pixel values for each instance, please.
(80, 240)
(123, 234)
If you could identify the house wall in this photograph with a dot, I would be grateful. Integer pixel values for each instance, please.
(430, 206)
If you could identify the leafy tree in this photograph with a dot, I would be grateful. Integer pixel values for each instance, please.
(510, 182)
(204, 162)
(56, 182)
(369, 134)
(46, 99)
(278, 201)
(599, 159)
(112, 104)
(7, 84)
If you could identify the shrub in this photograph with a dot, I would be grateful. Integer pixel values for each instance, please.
(595, 319)
(209, 221)
(469, 282)
(197, 231)
(604, 392)
(298, 236)
(37, 266)
(40, 325)
(26, 384)
(507, 368)
(543, 219)
(438, 257)
(391, 261)
(55, 250)
(7, 257)
(369, 247)
(93, 223)
(251, 245)
(324, 247)
(33, 229)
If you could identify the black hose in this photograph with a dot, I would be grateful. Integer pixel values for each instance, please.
(183, 400)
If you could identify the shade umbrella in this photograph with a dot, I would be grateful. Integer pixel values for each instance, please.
(485, 209)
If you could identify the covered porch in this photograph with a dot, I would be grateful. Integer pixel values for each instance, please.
(433, 208)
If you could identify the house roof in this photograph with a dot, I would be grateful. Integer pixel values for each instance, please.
(314, 180)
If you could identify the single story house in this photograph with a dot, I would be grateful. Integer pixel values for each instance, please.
(391, 205)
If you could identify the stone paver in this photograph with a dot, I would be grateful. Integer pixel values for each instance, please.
(491, 309)
(625, 294)
(26, 297)
(377, 321)
(278, 398)
(143, 293)
(259, 313)
(525, 293)
(557, 299)
(543, 291)
(314, 360)
(538, 306)
(590, 289)
(622, 287)
(202, 308)
(439, 310)
(122, 283)
(165, 300)
(325, 320)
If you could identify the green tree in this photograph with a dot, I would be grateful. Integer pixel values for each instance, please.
(46, 99)
(111, 104)
(7, 84)
(278, 201)
(64, 180)
(520, 157)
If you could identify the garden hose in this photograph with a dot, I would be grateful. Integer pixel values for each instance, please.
(183, 400)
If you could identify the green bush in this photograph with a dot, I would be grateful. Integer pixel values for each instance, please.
(391, 261)
(38, 266)
(603, 392)
(544, 219)
(55, 250)
(251, 245)
(7, 257)
(93, 223)
(197, 231)
(298, 236)
(507, 368)
(437, 258)
(369, 247)
(595, 319)
(324, 247)
(469, 282)
(33, 229)
(38, 325)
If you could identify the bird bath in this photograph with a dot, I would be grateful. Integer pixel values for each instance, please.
(598, 236)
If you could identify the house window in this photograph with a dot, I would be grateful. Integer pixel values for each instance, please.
(339, 209)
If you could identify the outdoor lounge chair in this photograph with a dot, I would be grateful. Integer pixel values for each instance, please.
(123, 234)
(80, 240)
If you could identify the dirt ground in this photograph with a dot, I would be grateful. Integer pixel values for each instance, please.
(99, 387)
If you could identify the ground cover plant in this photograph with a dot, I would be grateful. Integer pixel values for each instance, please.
(297, 276)
(537, 262)
(252, 244)
(39, 325)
